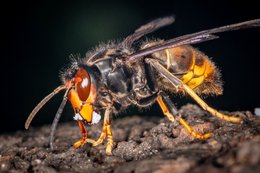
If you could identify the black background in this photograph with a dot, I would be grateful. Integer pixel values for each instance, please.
(38, 37)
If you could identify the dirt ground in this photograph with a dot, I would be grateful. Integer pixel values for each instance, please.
(143, 144)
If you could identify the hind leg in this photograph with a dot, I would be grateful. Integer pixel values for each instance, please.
(169, 109)
(178, 84)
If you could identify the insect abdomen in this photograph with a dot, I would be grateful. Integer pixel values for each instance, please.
(193, 67)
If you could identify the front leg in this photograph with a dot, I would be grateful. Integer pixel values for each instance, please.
(106, 131)
(84, 139)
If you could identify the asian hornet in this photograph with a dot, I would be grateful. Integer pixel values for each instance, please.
(116, 75)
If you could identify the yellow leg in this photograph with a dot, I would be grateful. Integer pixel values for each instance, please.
(84, 139)
(165, 109)
(192, 132)
(106, 132)
(208, 108)
(109, 141)
(102, 136)
(182, 121)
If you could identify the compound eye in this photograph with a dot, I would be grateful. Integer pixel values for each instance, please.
(82, 80)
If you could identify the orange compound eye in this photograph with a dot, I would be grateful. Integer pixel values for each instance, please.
(82, 80)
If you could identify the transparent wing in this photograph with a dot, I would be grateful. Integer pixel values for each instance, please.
(194, 38)
(148, 28)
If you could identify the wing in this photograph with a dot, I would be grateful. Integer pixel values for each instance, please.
(148, 28)
(194, 38)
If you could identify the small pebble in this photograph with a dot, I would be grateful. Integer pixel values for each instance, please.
(257, 111)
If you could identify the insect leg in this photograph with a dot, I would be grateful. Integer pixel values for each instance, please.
(180, 85)
(166, 110)
(169, 110)
(84, 136)
(106, 131)
(206, 107)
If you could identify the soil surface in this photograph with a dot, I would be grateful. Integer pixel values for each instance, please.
(142, 144)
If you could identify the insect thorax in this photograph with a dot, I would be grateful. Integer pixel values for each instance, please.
(119, 84)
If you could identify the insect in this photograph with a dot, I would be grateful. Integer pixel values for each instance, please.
(117, 75)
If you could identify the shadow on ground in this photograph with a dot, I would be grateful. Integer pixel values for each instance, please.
(143, 144)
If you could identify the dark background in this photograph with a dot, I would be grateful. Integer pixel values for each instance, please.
(38, 37)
